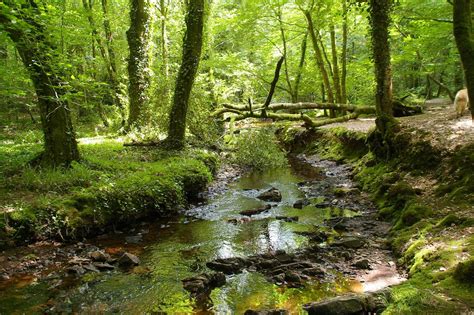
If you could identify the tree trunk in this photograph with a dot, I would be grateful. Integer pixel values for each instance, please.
(192, 47)
(344, 54)
(335, 66)
(381, 140)
(294, 98)
(60, 146)
(109, 40)
(138, 37)
(109, 60)
(380, 20)
(285, 53)
(462, 24)
(319, 57)
(164, 50)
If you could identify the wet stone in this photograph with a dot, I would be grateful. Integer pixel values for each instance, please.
(362, 264)
(272, 194)
(103, 266)
(4, 277)
(266, 312)
(99, 255)
(128, 260)
(350, 242)
(229, 265)
(315, 271)
(252, 212)
(291, 276)
(287, 219)
(299, 204)
(135, 239)
(204, 283)
(76, 270)
(343, 305)
(90, 267)
(323, 205)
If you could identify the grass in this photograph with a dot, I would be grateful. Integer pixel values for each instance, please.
(112, 185)
(430, 233)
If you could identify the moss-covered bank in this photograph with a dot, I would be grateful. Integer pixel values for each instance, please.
(112, 185)
(428, 195)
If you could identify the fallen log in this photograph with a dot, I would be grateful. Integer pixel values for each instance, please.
(294, 106)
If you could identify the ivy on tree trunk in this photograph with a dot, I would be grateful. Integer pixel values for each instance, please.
(379, 17)
(138, 37)
(462, 26)
(36, 52)
(192, 47)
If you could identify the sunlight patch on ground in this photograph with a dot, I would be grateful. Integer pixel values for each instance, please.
(463, 123)
(381, 277)
(99, 140)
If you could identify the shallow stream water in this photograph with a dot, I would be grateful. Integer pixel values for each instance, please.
(177, 248)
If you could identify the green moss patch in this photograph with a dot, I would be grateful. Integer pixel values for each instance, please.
(113, 185)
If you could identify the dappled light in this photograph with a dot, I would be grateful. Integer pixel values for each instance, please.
(236, 157)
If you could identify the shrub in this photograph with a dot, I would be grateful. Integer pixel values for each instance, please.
(259, 150)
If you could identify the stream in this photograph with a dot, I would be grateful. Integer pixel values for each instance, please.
(318, 198)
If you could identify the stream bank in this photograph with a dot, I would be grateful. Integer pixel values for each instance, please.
(425, 192)
(321, 238)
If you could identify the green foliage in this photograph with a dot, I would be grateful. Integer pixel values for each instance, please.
(113, 185)
(464, 271)
(458, 184)
(258, 149)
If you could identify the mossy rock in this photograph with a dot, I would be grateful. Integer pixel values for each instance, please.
(412, 213)
(464, 272)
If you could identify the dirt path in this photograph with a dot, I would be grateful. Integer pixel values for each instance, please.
(439, 121)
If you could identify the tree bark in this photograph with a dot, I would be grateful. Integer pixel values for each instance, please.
(138, 36)
(319, 56)
(379, 22)
(462, 27)
(36, 52)
(335, 66)
(344, 53)
(192, 47)
(285, 52)
(294, 97)
(109, 59)
(165, 90)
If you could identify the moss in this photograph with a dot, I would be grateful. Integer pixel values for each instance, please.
(464, 271)
(113, 186)
(431, 246)
(412, 213)
(450, 219)
(458, 178)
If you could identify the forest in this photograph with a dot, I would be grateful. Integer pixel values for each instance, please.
(236, 156)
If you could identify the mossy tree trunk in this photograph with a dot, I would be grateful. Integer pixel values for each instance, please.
(138, 36)
(379, 22)
(107, 55)
(381, 139)
(462, 25)
(319, 57)
(36, 52)
(192, 47)
(294, 97)
(335, 66)
(344, 53)
(164, 8)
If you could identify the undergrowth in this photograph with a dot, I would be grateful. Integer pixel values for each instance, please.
(430, 234)
(112, 185)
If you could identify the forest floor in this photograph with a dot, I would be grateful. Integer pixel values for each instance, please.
(432, 231)
(429, 249)
(439, 121)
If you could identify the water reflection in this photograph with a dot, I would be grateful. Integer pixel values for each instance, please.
(182, 250)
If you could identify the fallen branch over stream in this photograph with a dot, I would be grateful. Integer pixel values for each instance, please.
(267, 110)
(262, 111)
